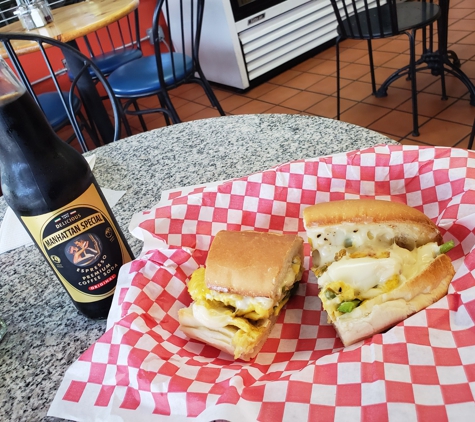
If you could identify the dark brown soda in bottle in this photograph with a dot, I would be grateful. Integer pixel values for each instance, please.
(50, 187)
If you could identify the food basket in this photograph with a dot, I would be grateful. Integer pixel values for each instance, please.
(144, 368)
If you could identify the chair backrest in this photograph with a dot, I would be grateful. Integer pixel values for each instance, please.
(118, 35)
(363, 19)
(177, 26)
(101, 126)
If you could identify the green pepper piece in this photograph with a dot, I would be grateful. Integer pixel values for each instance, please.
(348, 243)
(330, 294)
(447, 246)
(346, 307)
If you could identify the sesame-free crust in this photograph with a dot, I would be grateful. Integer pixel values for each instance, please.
(250, 263)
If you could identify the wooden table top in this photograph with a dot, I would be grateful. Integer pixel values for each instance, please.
(74, 21)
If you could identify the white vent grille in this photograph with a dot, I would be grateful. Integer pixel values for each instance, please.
(287, 36)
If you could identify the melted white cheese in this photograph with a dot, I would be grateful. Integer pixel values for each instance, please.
(329, 241)
(422, 257)
(363, 274)
(241, 303)
(212, 318)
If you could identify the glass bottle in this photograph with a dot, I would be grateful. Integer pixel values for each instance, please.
(50, 187)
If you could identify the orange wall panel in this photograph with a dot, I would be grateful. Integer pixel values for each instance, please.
(33, 63)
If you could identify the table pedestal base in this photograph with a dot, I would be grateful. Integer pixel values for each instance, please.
(439, 61)
(439, 64)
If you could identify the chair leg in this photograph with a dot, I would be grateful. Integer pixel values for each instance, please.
(167, 104)
(338, 77)
(141, 119)
(128, 130)
(472, 137)
(74, 136)
(442, 81)
(122, 116)
(442, 72)
(209, 92)
(80, 138)
(166, 114)
(412, 75)
(91, 129)
(371, 67)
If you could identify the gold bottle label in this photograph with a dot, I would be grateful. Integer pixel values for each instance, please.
(82, 245)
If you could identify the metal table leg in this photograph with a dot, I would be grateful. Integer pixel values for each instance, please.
(92, 101)
(439, 62)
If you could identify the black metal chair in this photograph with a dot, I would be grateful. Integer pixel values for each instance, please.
(156, 75)
(368, 21)
(472, 137)
(116, 44)
(66, 104)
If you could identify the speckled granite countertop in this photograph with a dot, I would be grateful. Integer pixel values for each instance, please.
(45, 332)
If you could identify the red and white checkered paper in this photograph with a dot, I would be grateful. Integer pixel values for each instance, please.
(144, 368)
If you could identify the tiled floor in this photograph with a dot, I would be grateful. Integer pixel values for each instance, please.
(310, 87)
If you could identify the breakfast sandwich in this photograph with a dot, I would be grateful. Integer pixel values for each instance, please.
(248, 278)
(377, 263)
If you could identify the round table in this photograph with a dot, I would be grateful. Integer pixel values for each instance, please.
(74, 21)
(45, 332)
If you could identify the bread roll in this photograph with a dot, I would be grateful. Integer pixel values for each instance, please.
(362, 224)
(251, 264)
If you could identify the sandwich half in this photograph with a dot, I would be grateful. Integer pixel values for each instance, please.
(377, 262)
(248, 278)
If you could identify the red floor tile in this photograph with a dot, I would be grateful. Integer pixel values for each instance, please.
(309, 87)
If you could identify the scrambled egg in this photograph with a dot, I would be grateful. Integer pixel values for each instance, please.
(246, 318)
(341, 289)
(337, 292)
(251, 308)
(333, 295)
(296, 265)
(243, 332)
(390, 284)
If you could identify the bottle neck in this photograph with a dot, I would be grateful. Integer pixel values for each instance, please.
(39, 171)
(24, 130)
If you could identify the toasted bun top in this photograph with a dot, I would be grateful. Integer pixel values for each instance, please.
(251, 263)
(363, 211)
(361, 224)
